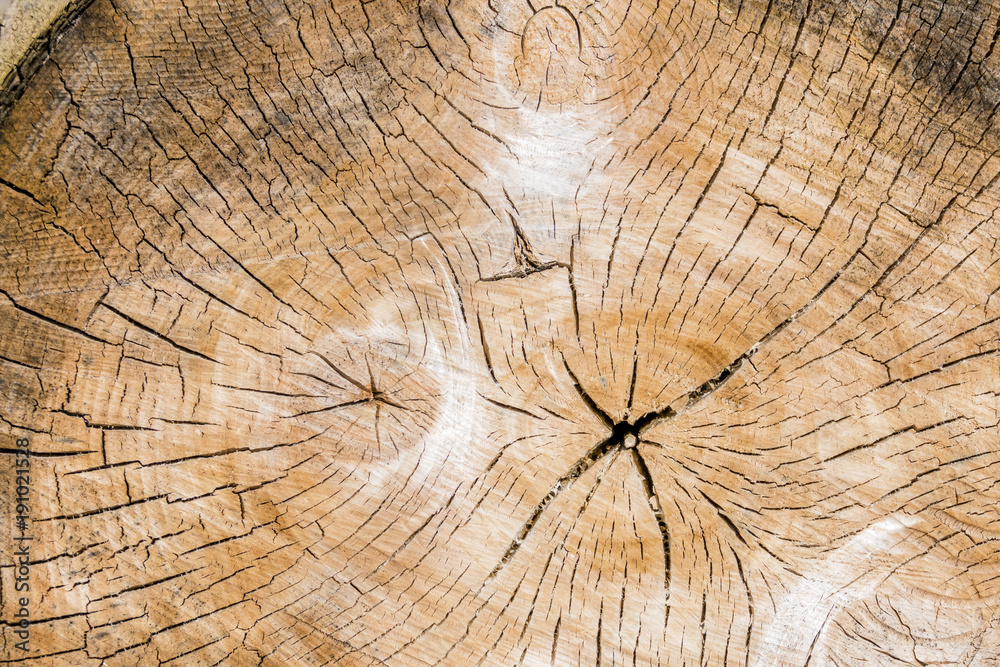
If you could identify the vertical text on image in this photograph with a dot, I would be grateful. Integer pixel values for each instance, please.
(22, 542)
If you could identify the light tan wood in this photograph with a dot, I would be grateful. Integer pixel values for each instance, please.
(488, 334)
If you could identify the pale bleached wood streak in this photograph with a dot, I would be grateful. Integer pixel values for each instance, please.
(479, 333)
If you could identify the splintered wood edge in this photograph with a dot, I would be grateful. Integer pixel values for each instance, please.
(28, 30)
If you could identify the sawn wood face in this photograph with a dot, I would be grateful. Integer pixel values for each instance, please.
(488, 334)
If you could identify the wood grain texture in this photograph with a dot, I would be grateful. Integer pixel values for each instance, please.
(29, 29)
(411, 333)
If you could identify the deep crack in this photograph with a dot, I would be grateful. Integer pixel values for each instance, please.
(625, 436)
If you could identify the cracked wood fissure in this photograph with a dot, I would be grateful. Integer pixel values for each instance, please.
(414, 332)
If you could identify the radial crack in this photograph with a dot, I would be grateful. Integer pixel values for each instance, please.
(563, 483)
(657, 509)
(714, 383)
(591, 403)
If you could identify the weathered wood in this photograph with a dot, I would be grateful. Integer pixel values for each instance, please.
(28, 31)
(407, 333)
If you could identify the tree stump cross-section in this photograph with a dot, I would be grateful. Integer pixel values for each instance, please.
(411, 332)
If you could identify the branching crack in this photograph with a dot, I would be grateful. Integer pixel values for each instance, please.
(527, 261)
(624, 437)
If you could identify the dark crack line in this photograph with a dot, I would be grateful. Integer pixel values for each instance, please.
(588, 460)
(591, 403)
(37, 54)
(656, 508)
(624, 437)
(525, 258)
(160, 336)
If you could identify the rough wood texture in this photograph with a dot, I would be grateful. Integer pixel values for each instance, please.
(28, 31)
(21, 22)
(407, 333)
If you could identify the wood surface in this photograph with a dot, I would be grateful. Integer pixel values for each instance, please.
(497, 333)
(29, 29)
